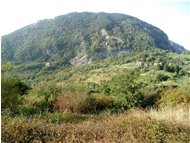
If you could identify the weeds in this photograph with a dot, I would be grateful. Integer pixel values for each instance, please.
(172, 115)
(135, 126)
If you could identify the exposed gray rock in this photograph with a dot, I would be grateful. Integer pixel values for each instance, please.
(87, 59)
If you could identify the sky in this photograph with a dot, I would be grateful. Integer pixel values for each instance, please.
(171, 16)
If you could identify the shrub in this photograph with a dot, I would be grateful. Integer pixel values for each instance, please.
(127, 91)
(12, 89)
(172, 68)
(69, 101)
(82, 103)
(151, 96)
(126, 102)
(97, 104)
(40, 99)
(176, 97)
(161, 77)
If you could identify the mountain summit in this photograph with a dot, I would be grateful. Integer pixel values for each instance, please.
(80, 38)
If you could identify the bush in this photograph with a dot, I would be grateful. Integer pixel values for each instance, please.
(69, 101)
(97, 104)
(82, 103)
(161, 77)
(40, 99)
(127, 91)
(12, 89)
(176, 97)
(172, 68)
(151, 96)
(128, 102)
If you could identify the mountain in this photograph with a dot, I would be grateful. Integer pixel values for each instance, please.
(177, 47)
(80, 38)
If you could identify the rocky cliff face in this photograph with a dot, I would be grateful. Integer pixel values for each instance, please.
(80, 38)
(87, 59)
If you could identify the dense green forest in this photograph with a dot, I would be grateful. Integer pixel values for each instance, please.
(67, 38)
(94, 77)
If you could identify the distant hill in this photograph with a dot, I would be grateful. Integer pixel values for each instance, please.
(176, 47)
(80, 38)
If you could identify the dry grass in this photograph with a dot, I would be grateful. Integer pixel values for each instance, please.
(132, 127)
(172, 114)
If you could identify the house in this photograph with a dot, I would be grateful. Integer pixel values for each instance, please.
(143, 64)
(47, 64)
(155, 64)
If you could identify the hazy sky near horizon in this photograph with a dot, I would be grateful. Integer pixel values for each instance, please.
(171, 16)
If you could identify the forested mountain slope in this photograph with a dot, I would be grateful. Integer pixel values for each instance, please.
(80, 38)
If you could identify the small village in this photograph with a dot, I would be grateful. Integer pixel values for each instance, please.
(146, 64)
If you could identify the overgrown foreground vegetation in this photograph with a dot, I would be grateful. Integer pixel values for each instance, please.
(111, 100)
(135, 126)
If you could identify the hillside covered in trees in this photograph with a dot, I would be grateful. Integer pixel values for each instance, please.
(78, 38)
(94, 77)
